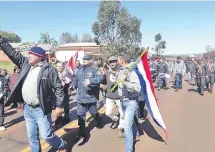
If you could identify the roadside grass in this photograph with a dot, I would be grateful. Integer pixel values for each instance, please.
(8, 65)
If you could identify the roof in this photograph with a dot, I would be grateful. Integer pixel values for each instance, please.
(80, 44)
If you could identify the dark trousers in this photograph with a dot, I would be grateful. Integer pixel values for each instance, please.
(1, 111)
(82, 109)
(200, 83)
(210, 82)
(141, 108)
(66, 105)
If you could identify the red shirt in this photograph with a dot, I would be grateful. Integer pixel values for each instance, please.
(12, 81)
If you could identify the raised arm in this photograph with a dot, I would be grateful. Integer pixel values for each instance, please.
(16, 57)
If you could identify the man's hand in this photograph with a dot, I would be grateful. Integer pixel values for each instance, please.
(71, 88)
(86, 82)
(58, 111)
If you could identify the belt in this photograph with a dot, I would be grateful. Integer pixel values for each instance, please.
(134, 98)
(34, 106)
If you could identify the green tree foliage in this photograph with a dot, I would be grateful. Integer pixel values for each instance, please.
(87, 38)
(160, 44)
(209, 48)
(45, 38)
(116, 29)
(11, 37)
(67, 37)
(75, 38)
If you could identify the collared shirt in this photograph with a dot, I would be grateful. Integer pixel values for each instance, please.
(29, 88)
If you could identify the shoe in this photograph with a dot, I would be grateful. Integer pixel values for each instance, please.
(120, 133)
(166, 88)
(2, 128)
(99, 122)
(64, 149)
(99, 125)
(136, 139)
(159, 89)
(83, 133)
(176, 90)
(115, 124)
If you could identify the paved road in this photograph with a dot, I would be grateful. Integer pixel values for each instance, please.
(188, 117)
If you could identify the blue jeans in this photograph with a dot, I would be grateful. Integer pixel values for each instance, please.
(178, 80)
(35, 118)
(129, 108)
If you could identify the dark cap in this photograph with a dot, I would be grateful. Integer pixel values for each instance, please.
(87, 57)
(112, 58)
(38, 51)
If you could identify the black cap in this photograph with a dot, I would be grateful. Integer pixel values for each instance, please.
(87, 57)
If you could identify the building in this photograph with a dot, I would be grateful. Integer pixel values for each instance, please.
(66, 51)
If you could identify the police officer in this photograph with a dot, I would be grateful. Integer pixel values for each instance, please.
(201, 72)
(210, 76)
(87, 80)
(161, 70)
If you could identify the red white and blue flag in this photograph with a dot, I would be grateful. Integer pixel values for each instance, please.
(143, 71)
(71, 63)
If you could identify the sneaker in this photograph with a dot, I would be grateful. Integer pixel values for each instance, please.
(2, 128)
(115, 124)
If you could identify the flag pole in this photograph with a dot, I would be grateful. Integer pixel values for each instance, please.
(121, 79)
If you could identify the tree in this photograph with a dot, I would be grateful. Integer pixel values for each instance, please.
(160, 44)
(116, 29)
(87, 38)
(209, 48)
(66, 37)
(46, 39)
(75, 38)
(10, 37)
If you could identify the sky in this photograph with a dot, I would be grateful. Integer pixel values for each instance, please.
(187, 27)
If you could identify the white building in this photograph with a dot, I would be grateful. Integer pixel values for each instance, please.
(66, 51)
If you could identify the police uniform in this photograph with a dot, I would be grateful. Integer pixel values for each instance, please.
(162, 69)
(87, 96)
(210, 76)
(201, 72)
